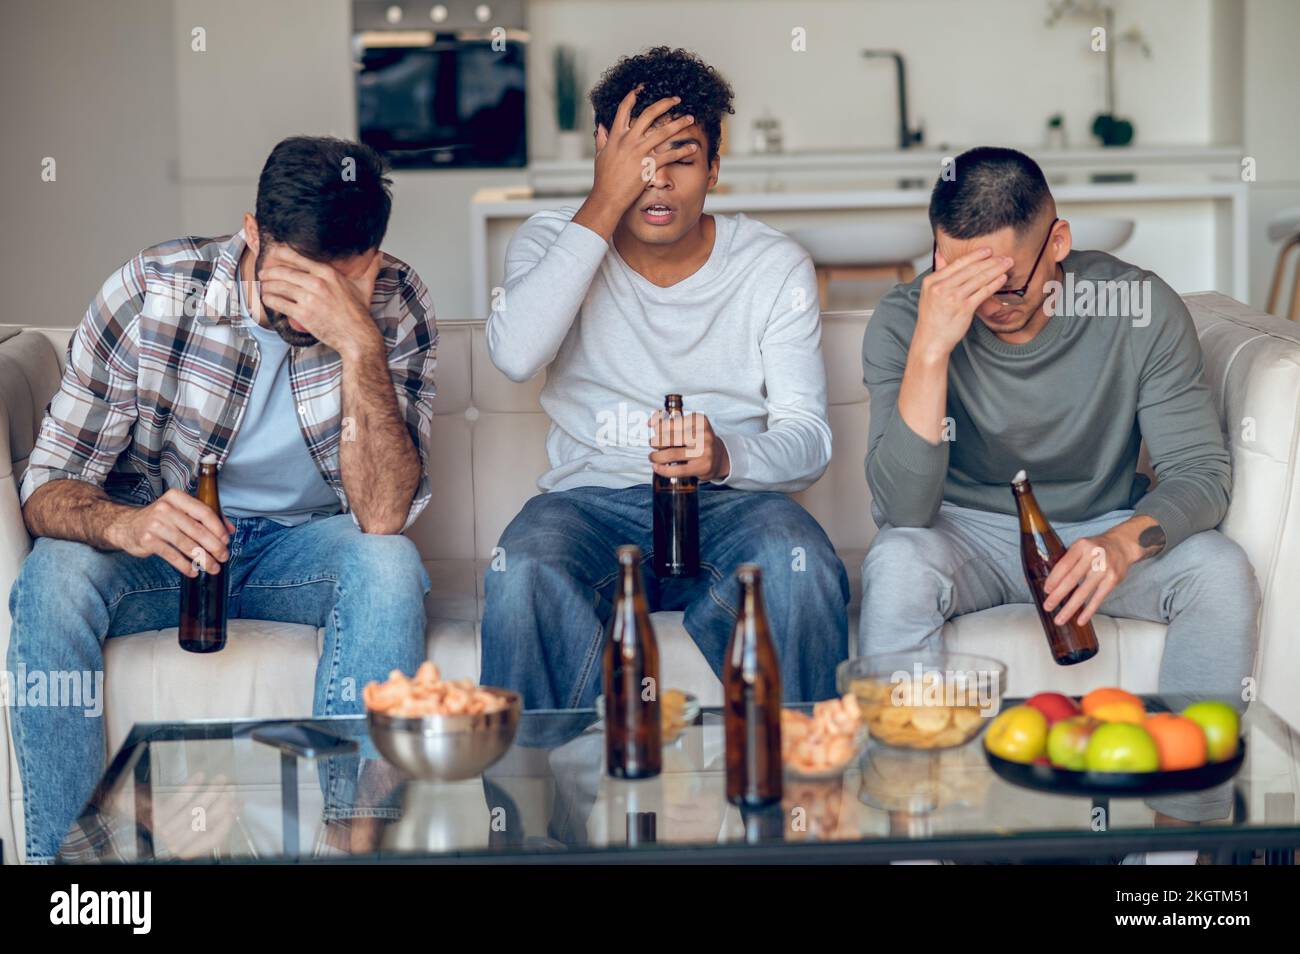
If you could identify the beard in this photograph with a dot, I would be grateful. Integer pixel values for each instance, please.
(278, 321)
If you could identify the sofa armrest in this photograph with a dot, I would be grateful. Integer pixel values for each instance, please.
(28, 372)
(1252, 364)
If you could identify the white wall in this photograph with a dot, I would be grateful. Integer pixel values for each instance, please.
(92, 86)
(269, 70)
(978, 71)
(275, 69)
(155, 140)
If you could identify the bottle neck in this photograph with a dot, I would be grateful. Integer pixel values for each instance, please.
(207, 489)
(1032, 518)
(631, 582)
(751, 607)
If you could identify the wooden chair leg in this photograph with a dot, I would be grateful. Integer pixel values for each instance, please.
(823, 286)
(1279, 269)
(1295, 288)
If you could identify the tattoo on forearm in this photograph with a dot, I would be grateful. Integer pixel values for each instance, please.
(1152, 540)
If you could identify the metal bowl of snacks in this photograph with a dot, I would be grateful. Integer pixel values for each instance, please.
(441, 745)
(934, 700)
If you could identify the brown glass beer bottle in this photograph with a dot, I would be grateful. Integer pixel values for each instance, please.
(676, 515)
(202, 627)
(633, 733)
(751, 689)
(1040, 548)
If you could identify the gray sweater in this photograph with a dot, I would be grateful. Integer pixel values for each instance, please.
(1071, 407)
(740, 340)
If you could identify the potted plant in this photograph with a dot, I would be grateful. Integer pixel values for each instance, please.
(569, 139)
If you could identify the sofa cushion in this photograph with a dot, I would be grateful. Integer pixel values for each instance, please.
(1129, 653)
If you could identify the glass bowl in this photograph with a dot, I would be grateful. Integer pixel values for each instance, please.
(859, 742)
(690, 710)
(924, 700)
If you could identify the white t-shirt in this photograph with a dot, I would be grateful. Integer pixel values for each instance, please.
(269, 471)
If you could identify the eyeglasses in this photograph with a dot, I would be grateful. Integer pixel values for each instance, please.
(1016, 293)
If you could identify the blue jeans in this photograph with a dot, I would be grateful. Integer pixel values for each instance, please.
(550, 589)
(367, 590)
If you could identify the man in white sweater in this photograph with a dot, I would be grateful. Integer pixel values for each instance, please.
(635, 295)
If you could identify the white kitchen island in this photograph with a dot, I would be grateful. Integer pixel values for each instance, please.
(1191, 221)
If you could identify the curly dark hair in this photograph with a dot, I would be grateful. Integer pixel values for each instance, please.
(663, 71)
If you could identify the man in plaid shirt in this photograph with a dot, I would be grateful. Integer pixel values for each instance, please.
(301, 357)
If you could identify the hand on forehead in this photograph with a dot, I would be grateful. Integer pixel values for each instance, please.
(1003, 242)
(352, 266)
(692, 133)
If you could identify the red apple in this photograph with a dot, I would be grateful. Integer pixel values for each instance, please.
(1067, 742)
(1054, 705)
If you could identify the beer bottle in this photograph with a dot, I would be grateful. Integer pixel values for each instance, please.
(633, 734)
(1040, 549)
(751, 689)
(202, 627)
(676, 514)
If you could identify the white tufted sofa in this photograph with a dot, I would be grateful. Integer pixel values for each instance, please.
(489, 438)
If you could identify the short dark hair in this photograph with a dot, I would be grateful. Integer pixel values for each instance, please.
(662, 72)
(326, 198)
(988, 189)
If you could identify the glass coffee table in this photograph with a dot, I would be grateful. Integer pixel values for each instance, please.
(208, 791)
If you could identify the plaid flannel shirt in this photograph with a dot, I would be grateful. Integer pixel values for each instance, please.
(160, 370)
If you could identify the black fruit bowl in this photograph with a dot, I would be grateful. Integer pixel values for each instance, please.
(1058, 781)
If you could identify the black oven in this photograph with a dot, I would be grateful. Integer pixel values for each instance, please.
(442, 84)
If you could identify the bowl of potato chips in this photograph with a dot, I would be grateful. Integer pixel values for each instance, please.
(677, 710)
(437, 729)
(935, 700)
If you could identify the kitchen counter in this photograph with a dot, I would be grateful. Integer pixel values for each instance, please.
(1191, 223)
(930, 158)
(786, 192)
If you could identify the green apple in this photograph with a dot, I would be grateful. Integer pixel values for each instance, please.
(1121, 747)
(1221, 725)
(1067, 741)
(1018, 734)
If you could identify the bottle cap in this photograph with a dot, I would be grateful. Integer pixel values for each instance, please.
(1020, 477)
(628, 553)
(208, 459)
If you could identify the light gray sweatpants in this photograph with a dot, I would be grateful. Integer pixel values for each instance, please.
(915, 579)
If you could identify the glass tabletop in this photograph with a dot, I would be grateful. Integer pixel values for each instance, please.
(209, 791)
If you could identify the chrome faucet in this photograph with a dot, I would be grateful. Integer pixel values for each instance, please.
(907, 137)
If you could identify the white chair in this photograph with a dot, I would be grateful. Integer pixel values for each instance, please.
(1098, 234)
(864, 250)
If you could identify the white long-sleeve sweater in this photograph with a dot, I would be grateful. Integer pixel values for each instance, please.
(740, 340)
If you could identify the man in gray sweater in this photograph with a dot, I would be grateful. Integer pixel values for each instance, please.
(1016, 351)
(636, 295)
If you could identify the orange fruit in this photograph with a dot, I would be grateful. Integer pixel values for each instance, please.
(1110, 704)
(1180, 741)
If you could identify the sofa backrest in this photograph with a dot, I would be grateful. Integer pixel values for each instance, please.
(1252, 364)
(490, 433)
